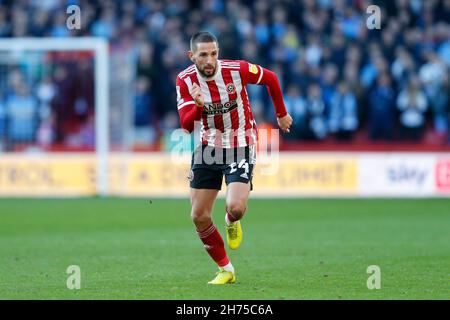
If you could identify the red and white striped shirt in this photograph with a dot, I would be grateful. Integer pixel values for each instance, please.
(226, 117)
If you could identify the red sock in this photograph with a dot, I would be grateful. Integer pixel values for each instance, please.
(231, 218)
(214, 245)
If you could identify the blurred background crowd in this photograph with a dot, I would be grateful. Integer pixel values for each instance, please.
(341, 80)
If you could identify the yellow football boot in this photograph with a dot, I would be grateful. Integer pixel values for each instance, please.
(234, 235)
(223, 277)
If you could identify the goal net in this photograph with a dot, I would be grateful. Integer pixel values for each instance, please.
(54, 98)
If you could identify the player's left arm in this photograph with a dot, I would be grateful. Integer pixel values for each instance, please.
(255, 74)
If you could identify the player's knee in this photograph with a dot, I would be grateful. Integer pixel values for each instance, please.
(236, 209)
(200, 218)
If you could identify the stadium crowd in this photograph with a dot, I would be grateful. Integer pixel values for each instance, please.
(339, 77)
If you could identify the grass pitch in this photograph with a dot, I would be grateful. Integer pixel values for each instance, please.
(292, 249)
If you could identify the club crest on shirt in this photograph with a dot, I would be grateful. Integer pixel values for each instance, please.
(230, 88)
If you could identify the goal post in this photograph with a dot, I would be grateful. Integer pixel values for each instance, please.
(100, 47)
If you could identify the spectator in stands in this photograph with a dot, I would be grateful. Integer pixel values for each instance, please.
(84, 100)
(19, 26)
(5, 26)
(2, 125)
(338, 48)
(63, 101)
(444, 47)
(22, 112)
(40, 23)
(143, 113)
(412, 104)
(369, 71)
(313, 51)
(46, 134)
(343, 115)
(59, 28)
(106, 25)
(307, 42)
(403, 66)
(45, 92)
(298, 74)
(87, 133)
(316, 113)
(381, 116)
(434, 76)
(328, 82)
(296, 107)
(146, 66)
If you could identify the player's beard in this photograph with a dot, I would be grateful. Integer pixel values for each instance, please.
(209, 74)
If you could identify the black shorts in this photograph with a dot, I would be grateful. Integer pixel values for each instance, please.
(210, 164)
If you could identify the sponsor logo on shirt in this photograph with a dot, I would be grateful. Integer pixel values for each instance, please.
(252, 68)
(219, 108)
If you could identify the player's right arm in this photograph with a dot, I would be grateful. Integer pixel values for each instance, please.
(190, 104)
(256, 74)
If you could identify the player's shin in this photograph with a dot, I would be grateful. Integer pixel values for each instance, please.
(214, 245)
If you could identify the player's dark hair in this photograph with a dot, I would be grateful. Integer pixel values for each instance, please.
(202, 36)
